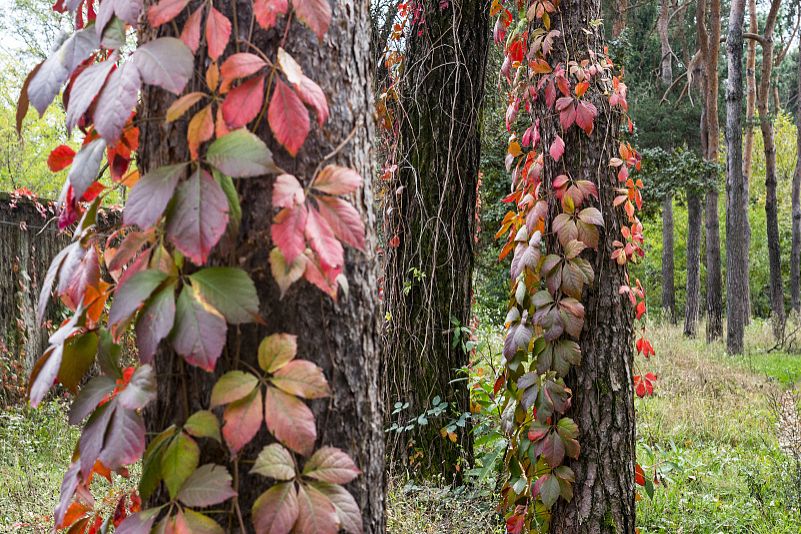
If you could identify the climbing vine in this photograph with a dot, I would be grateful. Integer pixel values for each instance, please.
(150, 276)
(554, 220)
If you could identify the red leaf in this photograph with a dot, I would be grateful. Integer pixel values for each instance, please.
(190, 35)
(243, 103)
(242, 421)
(60, 158)
(218, 32)
(287, 231)
(344, 220)
(268, 11)
(290, 421)
(288, 117)
(322, 239)
(199, 217)
(557, 148)
(585, 116)
(241, 65)
(316, 14)
(165, 11)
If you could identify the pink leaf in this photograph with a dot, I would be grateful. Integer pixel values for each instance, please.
(268, 11)
(209, 484)
(287, 192)
(287, 231)
(316, 14)
(322, 239)
(288, 117)
(198, 220)
(557, 148)
(302, 378)
(199, 332)
(276, 510)
(290, 421)
(585, 116)
(165, 11)
(242, 421)
(190, 35)
(218, 32)
(336, 180)
(317, 514)
(344, 220)
(329, 464)
(241, 65)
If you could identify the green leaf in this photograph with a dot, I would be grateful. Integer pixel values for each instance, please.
(232, 386)
(549, 490)
(209, 484)
(234, 207)
(230, 290)
(276, 350)
(77, 358)
(274, 461)
(240, 154)
(179, 461)
(132, 294)
(203, 424)
(151, 463)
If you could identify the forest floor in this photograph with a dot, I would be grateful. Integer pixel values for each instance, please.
(720, 432)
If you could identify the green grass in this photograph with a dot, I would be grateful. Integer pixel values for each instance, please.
(710, 431)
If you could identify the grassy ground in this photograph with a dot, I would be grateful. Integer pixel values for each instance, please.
(710, 431)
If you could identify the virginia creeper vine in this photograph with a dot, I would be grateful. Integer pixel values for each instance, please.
(554, 221)
(150, 275)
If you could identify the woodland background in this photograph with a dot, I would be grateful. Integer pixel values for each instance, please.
(720, 438)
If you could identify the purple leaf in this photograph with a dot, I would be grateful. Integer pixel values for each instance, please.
(329, 464)
(126, 10)
(68, 486)
(155, 323)
(50, 277)
(90, 396)
(132, 294)
(117, 102)
(44, 374)
(91, 441)
(85, 88)
(198, 220)
(125, 441)
(140, 391)
(151, 194)
(139, 523)
(57, 68)
(165, 62)
(209, 484)
(199, 333)
(85, 166)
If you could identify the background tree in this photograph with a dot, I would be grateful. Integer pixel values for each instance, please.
(795, 251)
(736, 189)
(432, 215)
(666, 77)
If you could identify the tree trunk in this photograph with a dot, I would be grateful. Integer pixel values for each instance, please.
(714, 297)
(432, 210)
(666, 62)
(668, 269)
(771, 207)
(694, 221)
(603, 397)
(748, 151)
(621, 14)
(795, 253)
(736, 201)
(341, 337)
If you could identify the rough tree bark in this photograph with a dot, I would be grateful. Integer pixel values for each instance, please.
(736, 201)
(694, 220)
(795, 251)
(748, 150)
(433, 212)
(709, 39)
(603, 499)
(621, 15)
(666, 76)
(771, 206)
(341, 337)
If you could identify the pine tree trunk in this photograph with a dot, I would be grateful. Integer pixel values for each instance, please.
(748, 150)
(603, 397)
(666, 62)
(771, 207)
(668, 269)
(736, 200)
(795, 253)
(432, 210)
(694, 224)
(714, 286)
(341, 337)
